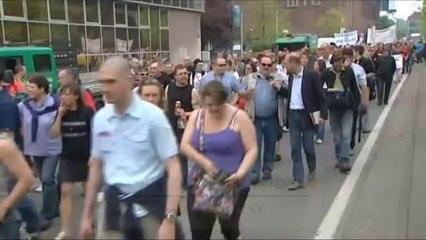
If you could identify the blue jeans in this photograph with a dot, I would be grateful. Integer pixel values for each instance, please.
(320, 131)
(27, 210)
(266, 132)
(341, 126)
(9, 228)
(301, 132)
(46, 168)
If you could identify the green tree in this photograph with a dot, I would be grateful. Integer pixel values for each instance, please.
(331, 22)
(401, 28)
(384, 22)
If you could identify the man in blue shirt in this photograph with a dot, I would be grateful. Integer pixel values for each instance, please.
(228, 80)
(135, 150)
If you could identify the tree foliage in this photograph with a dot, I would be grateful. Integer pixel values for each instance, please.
(384, 22)
(216, 24)
(331, 22)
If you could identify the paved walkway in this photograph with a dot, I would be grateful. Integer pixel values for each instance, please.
(272, 212)
(390, 198)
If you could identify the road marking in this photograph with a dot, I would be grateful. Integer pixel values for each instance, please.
(331, 221)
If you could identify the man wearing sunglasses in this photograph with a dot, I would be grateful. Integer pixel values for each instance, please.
(266, 108)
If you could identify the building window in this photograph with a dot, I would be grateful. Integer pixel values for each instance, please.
(37, 10)
(121, 45)
(292, 3)
(14, 8)
(165, 40)
(167, 2)
(42, 63)
(155, 29)
(57, 10)
(108, 43)
(76, 11)
(133, 34)
(77, 37)
(59, 33)
(164, 18)
(315, 2)
(15, 32)
(107, 12)
(184, 3)
(132, 15)
(39, 32)
(344, 3)
(120, 13)
(144, 15)
(93, 40)
(176, 3)
(92, 11)
(145, 39)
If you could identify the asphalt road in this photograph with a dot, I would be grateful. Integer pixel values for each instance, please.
(271, 211)
(389, 200)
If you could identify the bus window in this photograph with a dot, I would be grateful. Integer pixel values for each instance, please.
(42, 63)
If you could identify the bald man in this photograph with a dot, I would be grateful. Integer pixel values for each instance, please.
(135, 149)
(155, 72)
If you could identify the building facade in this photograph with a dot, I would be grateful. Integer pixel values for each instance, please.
(301, 16)
(414, 23)
(98, 29)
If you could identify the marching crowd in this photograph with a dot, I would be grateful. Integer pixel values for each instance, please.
(170, 128)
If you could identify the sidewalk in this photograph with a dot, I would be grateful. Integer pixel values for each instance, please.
(390, 198)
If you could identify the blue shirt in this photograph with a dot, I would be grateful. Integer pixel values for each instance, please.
(265, 100)
(44, 146)
(133, 147)
(228, 80)
(10, 120)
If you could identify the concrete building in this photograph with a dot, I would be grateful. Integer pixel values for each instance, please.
(414, 23)
(97, 29)
(302, 15)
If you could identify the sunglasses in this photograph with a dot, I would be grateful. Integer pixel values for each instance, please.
(222, 65)
(266, 65)
(144, 74)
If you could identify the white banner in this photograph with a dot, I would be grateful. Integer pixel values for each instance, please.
(399, 61)
(348, 38)
(93, 45)
(387, 35)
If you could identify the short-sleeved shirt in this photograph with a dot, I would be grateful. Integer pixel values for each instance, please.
(134, 146)
(228, 80)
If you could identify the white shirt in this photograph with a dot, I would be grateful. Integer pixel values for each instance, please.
(296, 101)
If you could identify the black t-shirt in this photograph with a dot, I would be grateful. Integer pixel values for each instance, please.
(76, 129)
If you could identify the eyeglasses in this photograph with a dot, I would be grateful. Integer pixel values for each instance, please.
(144, 74)
(222, 65)
(266, 65)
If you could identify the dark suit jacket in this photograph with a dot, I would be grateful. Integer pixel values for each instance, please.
(313, 95)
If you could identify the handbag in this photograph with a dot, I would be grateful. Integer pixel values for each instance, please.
(340, 100)
(210, 193)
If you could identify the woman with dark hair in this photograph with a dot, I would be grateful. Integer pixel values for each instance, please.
(208, 136)
(248, 69)
(73, 123)
(320, 66)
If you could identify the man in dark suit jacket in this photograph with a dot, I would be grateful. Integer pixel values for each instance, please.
(306, 100)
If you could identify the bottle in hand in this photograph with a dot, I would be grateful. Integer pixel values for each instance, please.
(180, 119)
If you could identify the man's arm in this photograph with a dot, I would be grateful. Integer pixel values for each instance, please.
(235, 86)
(361, 79)
(165, 145)
(14, 162)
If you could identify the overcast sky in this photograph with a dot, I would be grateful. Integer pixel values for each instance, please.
(405, 8)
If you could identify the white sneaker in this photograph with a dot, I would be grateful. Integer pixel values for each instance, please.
(61, 235)
(319, 141)
(38, 188)
(285, 129)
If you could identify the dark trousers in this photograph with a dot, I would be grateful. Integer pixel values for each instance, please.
(302, 131)
(384, 85)
(354, 126)
(202, 223)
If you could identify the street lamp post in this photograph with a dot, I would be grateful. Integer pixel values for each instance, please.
(276, 23)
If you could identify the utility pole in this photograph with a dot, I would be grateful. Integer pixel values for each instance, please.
(263, 21)
(276, 24)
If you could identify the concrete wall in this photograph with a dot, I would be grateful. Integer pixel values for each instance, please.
(184, 35)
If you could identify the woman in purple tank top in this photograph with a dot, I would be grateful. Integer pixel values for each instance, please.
(229, 145)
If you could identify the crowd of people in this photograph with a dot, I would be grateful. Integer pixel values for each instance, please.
(166, 128)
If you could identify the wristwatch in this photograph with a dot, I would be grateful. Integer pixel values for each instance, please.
(171, 217)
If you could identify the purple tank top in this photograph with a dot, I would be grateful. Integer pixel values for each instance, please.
(224, 148)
